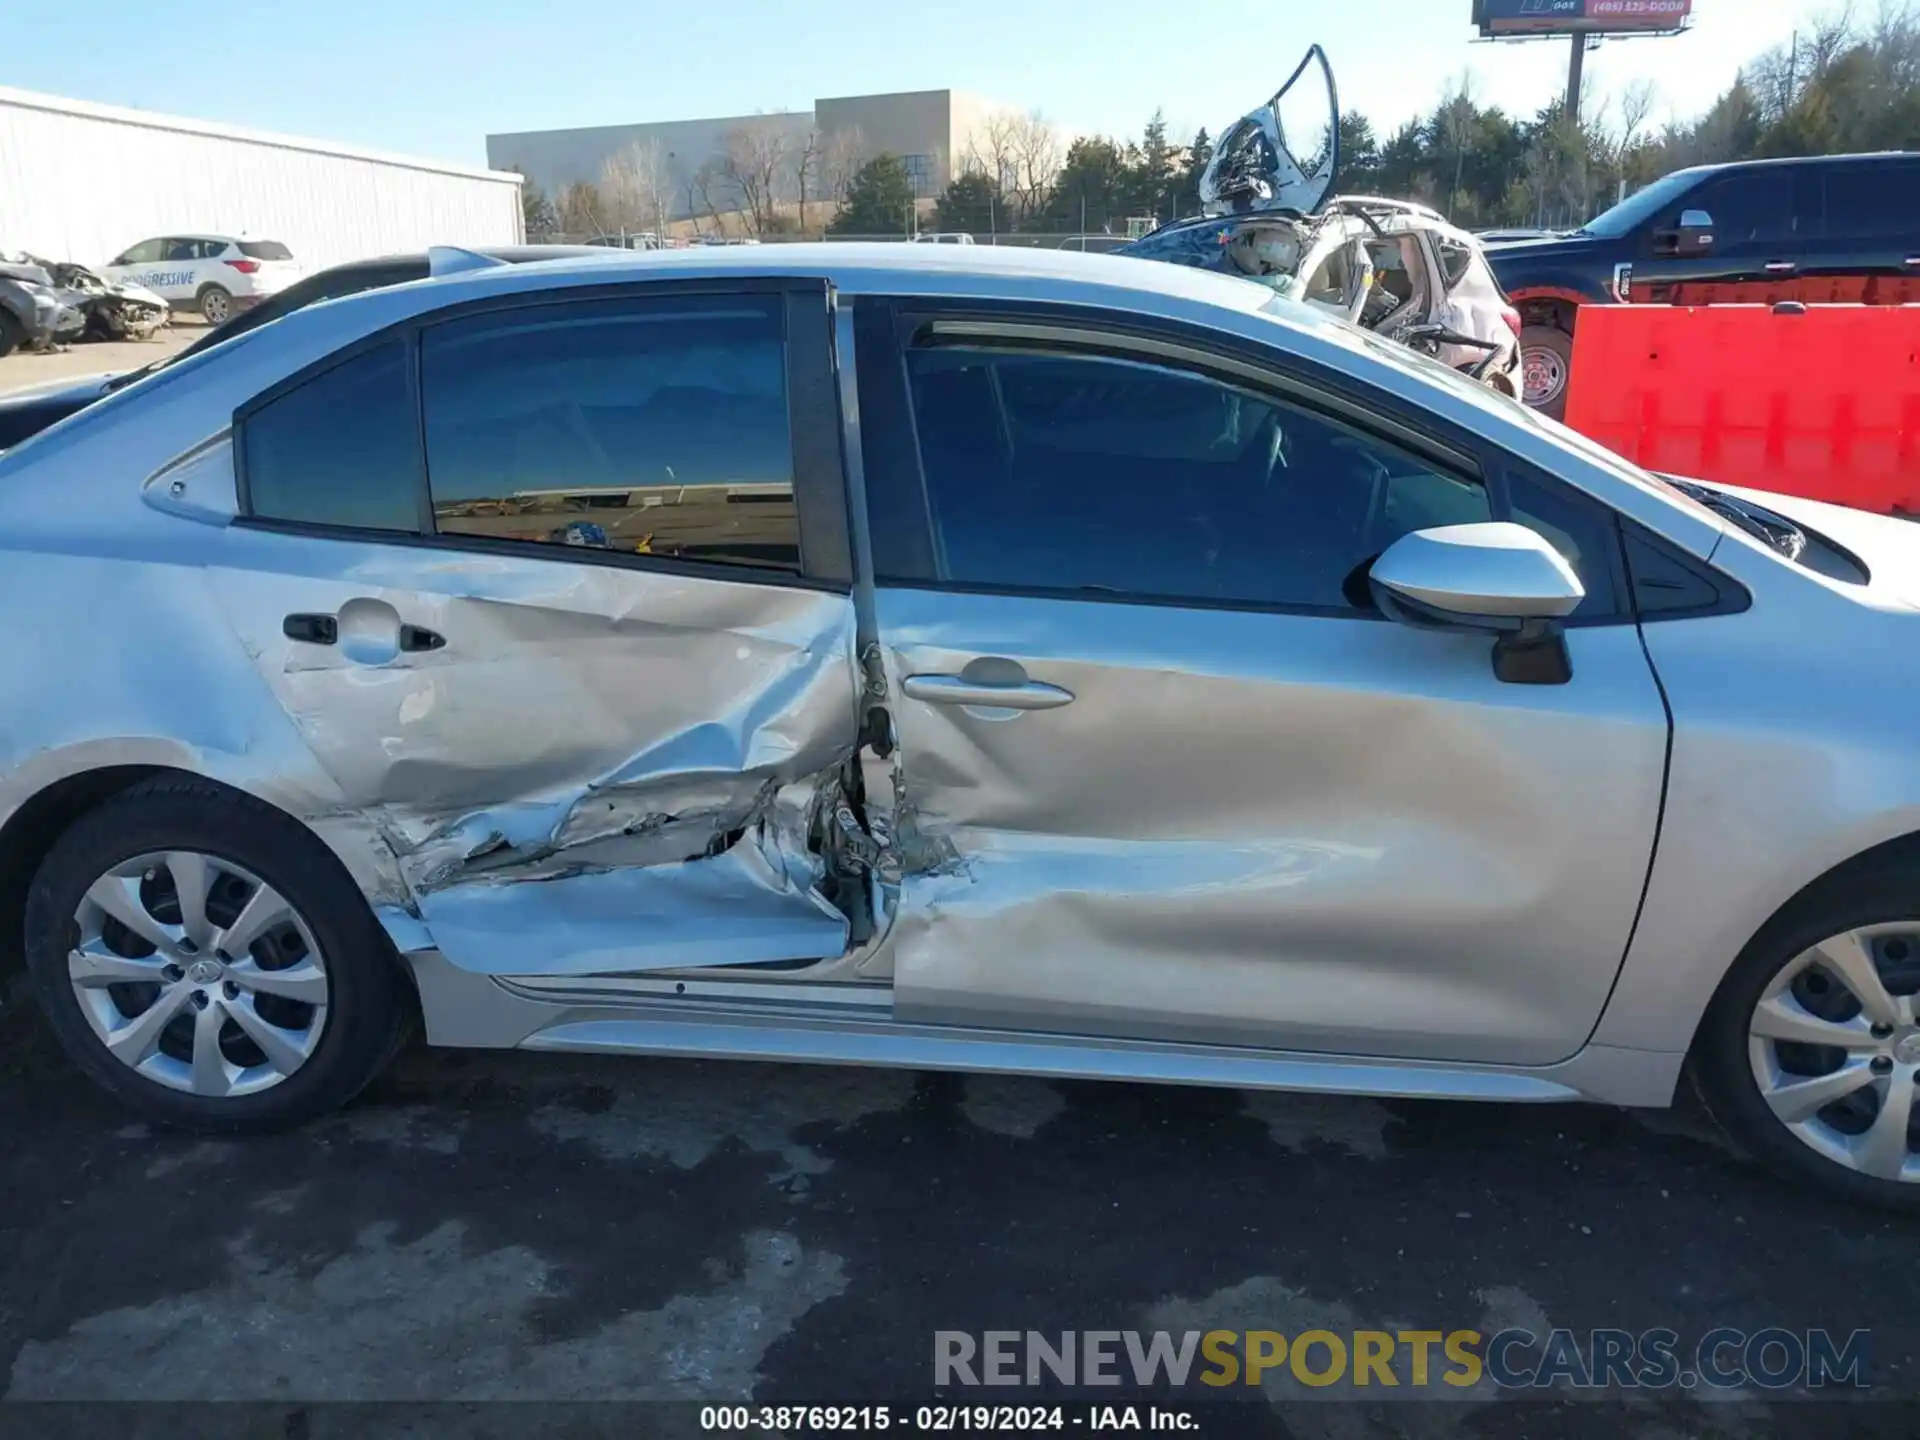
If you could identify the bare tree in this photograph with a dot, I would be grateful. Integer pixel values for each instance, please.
(753, 159)
(705, 180)
(582, 210)
(807, 157)
(842, 153)
(635, 185)
(1022, 153)
(1636, 104)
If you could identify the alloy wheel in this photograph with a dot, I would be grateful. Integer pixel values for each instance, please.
(196, 974)
(215, 307)
(1834, 1045)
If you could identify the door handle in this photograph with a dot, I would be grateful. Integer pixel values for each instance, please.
(1914, 260)
(418, 637)
(955, 690)
(311, 629)
(1779, 267)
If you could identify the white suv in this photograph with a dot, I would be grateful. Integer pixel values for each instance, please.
(214, 274)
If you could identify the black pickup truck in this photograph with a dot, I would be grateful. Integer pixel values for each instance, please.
(1828, 229)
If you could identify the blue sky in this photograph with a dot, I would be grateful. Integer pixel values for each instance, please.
(435, 79)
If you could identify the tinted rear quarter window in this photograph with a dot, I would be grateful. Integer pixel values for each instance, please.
(265, 250)
(1873, 200)
(340, 449)
(1456, 258)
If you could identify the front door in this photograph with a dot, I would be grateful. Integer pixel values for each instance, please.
(1764, 221)
(1168, 775)
(537, 596)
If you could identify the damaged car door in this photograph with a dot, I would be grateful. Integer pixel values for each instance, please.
(1166, 772)
(556, 590)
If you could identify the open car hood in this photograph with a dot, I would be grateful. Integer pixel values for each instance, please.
(1283, 156)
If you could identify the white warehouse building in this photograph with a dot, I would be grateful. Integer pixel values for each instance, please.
(82, 182)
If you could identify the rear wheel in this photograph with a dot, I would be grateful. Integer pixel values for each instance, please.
(207, 961)
(216, 305)
(1810, 1054)
(1546, 364)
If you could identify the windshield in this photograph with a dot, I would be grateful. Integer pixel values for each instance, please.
(1641, 206)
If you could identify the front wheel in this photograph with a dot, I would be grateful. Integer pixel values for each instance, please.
(1546, 365)
(1809, 1055)
(208, 962)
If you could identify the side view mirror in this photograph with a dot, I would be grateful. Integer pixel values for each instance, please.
(1693, 235)
(1494, 577)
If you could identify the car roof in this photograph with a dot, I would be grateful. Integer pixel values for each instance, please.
(878, 267)
(1791, 161)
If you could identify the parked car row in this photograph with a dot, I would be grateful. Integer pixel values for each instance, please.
(26, 412)
(45, 303)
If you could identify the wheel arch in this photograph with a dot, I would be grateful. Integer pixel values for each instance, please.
(1896, 856)
(60, 800)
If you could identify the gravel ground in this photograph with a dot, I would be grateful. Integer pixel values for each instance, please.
(498, 1227)
(22, 369)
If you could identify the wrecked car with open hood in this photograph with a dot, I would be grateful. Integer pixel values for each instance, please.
(949, 657)
(112, 309)
(1269, 213)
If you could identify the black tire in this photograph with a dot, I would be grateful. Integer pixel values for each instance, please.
(1719, 1061)
(368, 1004)
(1550, 338)
(12, 334)
(214, 298)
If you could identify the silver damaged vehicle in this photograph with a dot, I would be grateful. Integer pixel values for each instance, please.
(946, 657)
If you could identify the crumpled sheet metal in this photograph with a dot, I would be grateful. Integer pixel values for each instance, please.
(740, 907)
(537, 742)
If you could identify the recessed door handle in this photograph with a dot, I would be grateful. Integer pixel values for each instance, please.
(311, 629)
(953, 690)
(418, 637)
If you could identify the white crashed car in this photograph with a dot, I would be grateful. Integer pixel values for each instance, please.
(1392, 266)
(1400, 268)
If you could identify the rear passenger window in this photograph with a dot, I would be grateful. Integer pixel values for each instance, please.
(1873, 200)
(1095, 474)
(342, 449)
(651, 427)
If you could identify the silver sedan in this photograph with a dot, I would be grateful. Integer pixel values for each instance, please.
(945, 657)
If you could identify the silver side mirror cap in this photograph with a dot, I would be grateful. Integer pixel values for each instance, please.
(1495, 576)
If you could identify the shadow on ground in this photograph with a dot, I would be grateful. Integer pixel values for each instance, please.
(523, 1227)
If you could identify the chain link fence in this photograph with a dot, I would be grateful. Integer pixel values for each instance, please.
(1092, 244)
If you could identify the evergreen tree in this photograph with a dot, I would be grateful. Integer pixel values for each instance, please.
(879, 200)
(970, 203)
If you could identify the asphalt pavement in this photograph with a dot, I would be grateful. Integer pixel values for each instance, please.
(497, 1227)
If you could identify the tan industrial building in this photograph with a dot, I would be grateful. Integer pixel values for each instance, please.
(930, 130)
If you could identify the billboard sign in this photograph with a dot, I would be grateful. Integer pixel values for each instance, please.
(1496, 18)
